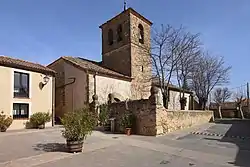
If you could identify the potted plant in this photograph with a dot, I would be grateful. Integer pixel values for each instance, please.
(38, 120)
(5, 122)
(127, 122)
(77, 126)
(104, 117)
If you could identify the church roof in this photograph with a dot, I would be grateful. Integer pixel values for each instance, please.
(155, 82)
(93, 66)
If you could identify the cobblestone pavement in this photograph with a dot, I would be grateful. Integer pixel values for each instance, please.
(46, 148)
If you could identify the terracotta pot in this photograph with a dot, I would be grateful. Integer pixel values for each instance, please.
(3, 129)
(74, 146)
(128, 131)
(41, 126)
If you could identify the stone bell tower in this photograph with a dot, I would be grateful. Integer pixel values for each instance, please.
(126, 48)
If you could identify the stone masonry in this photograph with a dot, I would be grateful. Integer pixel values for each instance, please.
(144, 112)
(153, 119)
(129, 56)
(170, 121)
(125, 70)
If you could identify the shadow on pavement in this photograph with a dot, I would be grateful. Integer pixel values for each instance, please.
(102, 130)
(238, 134)
(106, 131)
(51, 147)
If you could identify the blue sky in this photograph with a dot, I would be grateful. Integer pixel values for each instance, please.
(43, 30)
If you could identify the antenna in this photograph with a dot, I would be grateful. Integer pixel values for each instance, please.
(125, 5)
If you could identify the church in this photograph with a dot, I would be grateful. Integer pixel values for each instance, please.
(125, 69)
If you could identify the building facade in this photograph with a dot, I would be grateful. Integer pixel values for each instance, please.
(125, 70)
(23, 90)
(78, 79)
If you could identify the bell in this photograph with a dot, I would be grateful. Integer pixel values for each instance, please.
(140, 36)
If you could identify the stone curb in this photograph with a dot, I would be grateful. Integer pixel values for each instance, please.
(36, 160)
(28, 131)
(183, 132)
(220, 135)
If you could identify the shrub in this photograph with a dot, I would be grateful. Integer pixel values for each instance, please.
(39, 118)
(5, 122)
(127, 120)
(28, 125)
(104, 114)
(78, 124)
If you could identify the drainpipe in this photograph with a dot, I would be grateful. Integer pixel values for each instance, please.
(74, 79)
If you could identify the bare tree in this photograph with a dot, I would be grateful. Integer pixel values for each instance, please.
(210, 71)
(239, 102)
(239, 99)
(190, 47)
(169, 45)
(220, 95)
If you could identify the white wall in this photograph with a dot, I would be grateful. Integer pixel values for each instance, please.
(174, 100)
(106, 85)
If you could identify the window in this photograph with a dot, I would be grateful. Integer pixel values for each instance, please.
(119, 33)
(141, 34)
(110, 37)
(142, 69)
(21, 84)
(20, 110)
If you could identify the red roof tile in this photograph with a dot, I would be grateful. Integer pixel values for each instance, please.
(155, 82)
(25, 65)
(93, 66)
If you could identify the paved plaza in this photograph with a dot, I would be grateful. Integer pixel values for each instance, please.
(216, 144)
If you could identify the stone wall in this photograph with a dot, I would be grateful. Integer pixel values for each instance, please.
(143, 111)
(141, 72)
(169, 121)
(153, 119)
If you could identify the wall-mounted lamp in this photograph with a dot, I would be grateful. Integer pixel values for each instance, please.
(44, 82)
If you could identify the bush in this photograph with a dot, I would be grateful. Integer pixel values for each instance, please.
(104, 114)
(5, 122)
(39, 118)
(127, 120)
(78, 124)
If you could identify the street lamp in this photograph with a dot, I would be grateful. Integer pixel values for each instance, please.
(45, 80)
